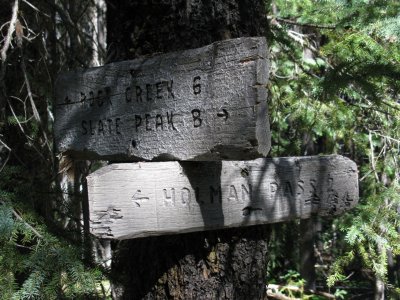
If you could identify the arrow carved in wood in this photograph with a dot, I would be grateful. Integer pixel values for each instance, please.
(224, 114)
(138, 198)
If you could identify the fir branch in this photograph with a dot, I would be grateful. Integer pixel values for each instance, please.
(393, 105)
(291, 22)
(19, 218)
(29, 138)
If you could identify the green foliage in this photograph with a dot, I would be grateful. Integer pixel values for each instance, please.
(34, 263)
(340, 294)
(293, 279)
(335, 89)
(372, 233)
(293, 287)
(43, 251)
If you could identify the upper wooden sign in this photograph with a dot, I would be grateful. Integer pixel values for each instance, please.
(200, 104)
(130, 200)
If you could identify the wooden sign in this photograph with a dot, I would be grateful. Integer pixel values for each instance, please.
(131, 200)
(201, 104)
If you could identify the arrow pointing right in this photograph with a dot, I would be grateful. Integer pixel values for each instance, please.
(224, 114)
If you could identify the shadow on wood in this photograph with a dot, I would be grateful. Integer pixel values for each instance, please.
(158, 198)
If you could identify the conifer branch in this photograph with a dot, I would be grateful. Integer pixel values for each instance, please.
(394, 105)
(291, 22)
(19, 218)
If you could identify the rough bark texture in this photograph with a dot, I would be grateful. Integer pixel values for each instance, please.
(228, 264)
(137, 28)
(224, 264)
(307, 257)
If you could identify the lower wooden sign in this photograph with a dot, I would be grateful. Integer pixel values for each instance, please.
(129, 200)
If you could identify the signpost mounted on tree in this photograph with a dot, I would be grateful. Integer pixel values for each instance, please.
(143, 199)
(201, 104)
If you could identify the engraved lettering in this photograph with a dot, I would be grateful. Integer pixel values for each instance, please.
(169, 89)
(169, 198)
(197, 195)
(196, 118)
(100, 127)
(185, 196)
(128, 95)
(100, 100)
(102, 95)
(300, 185)
(159, 121)
(273, 187)
(109, 121)
(233, 194)
(83, 98)
(91, 98)
(138, 122)
(288, 191)
(196, 85)
(215, 194)
(246, 193)
(148, 92)
(85, 131)
(155, 122)
(147, 117)
(333, 197)
(170, 119)
(159, 90)
(107, 89)
(312, 197)
(139, 94)
(117, 125)
(91, 128)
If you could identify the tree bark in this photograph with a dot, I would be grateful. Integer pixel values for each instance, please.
(379, 289)
(307, 234)
(307, 257)
(224, 264)
(221, 264)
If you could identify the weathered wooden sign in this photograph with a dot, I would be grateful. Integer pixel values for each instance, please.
(154, 198)
(201, 104)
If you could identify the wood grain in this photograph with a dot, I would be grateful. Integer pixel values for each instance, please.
(129, 200)
(201, 104)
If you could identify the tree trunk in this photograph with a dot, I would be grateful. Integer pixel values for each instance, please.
(307, 235)
(379, 289)
(307, 257)
(227, 264)
(223, 264)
